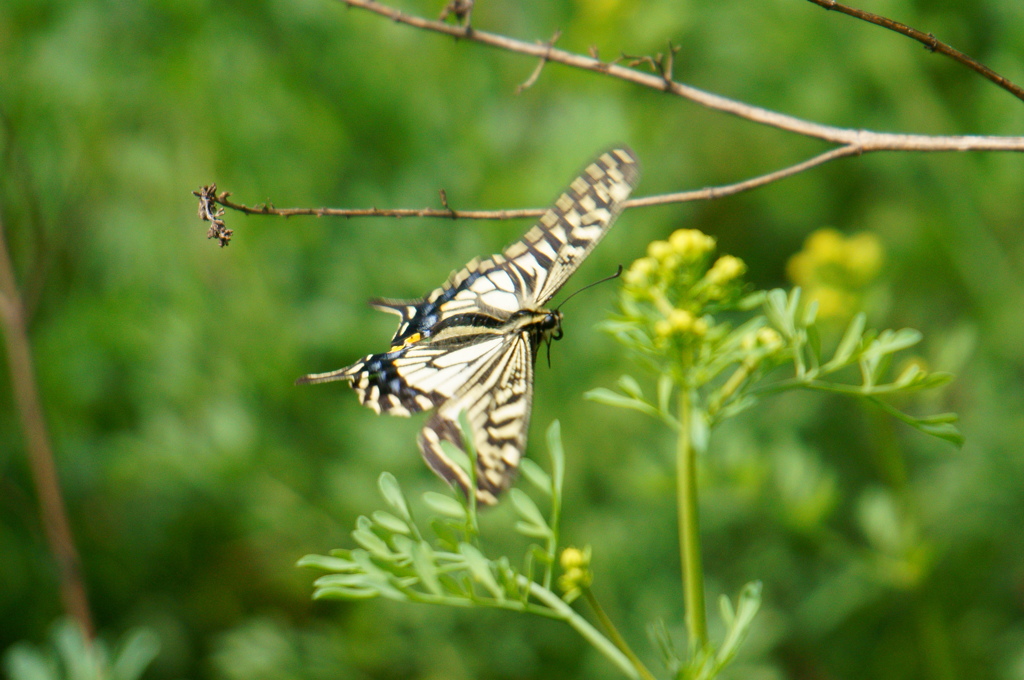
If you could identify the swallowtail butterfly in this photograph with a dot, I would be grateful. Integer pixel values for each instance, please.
(471, 344)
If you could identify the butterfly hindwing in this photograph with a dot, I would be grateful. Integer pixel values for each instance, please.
(497, 405)
(469, 346)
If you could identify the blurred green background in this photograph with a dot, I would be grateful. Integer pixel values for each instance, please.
(196, 473)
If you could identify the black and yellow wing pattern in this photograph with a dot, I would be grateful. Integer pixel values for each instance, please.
(470, 345)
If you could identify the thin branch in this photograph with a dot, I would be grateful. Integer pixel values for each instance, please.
(445, 212)
(927, 39)
(705, 194)
(40, 452)
(849, 142)
(863, 139)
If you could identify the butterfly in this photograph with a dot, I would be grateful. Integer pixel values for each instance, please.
(471, 345)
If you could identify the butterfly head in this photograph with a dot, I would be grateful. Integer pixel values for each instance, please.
(541, 324)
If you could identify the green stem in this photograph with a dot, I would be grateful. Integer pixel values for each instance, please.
(689, 530)
(612, 632)
(582, 626)
(729, 388)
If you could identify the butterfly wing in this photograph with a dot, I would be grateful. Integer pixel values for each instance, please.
(416, 377)
(530, 271)
(488, 375)
(496, 402)
(465, 346)
(557, 244)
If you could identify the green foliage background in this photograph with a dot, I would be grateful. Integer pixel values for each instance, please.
(196, 473)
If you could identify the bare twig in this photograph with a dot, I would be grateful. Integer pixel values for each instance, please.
(540, 66)
(460, 9)
(662, 64)
(705, 194)
(445, 212)
(865, 140)
(927, 39)
(40, 452)
(849, 141)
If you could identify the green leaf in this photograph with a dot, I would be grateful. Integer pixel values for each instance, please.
(533, 531)
(658, 631)
(940, 425)
(848, 345)
(725, 610)
(631, 387)
(746, 608)
(603, 395)
(393, 494)
(81, 660)
(480, 568)
(364, 592)
(557, 453)
(425, 567)
(23, 662)
(471, 453)
(457, 456)
(535, 475)
(666, 385)
(890, 341)
(343, 580)
(372, 543)
(527, 509)
(137, 649)
(814, 345)
(327, 563)
(946, 431)
(810, 314)
(389, 522)
(445, 505)
(775, 310)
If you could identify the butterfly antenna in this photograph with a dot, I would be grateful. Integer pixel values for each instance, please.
(616, 275)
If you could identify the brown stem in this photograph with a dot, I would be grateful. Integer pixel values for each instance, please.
(927, 39)
(40, 453)
(705, 194)
(865, 140)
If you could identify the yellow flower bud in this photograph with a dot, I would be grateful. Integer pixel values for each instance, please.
(659, 250)
(680, 320)
(800, 269)
(863, 257)
(574, 558)
(691, 243)
(725, 270)
(770, 338)
(576, 573)
(826, 245)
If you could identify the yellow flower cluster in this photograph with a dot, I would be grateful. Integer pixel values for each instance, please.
(676, 279)
(680, 322)
(835, 270)
(576, 574)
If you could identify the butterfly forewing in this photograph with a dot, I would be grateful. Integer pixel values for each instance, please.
(553, 248)
(469, 345)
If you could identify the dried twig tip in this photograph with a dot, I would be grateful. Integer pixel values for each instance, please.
(210, 212)
(460, 9)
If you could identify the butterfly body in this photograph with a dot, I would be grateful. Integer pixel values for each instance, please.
(470, 345)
